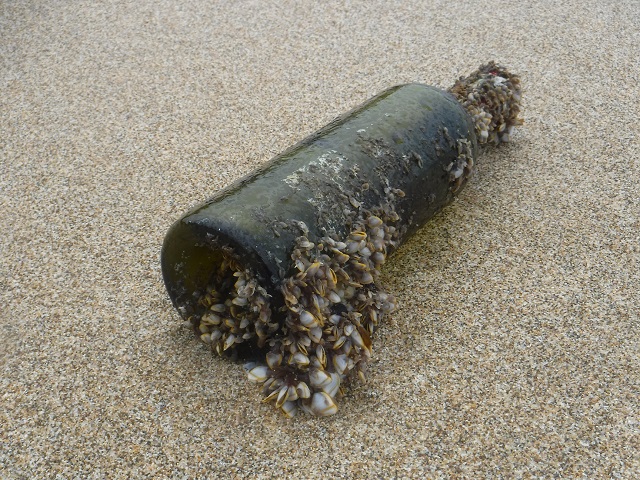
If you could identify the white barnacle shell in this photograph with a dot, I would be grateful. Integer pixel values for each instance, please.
(374, 221)
(313, 269)
(308, 320)
(358, 340)
(315, 334)
(283, 395)
(230, 340)
(300, 359)
(274, 359)
(339, 342)
(319, 378)
(334, 297)
(378, 233)
(272, 396)
(366, 278)
(340, 363)
(353, 247)
(321, 355)
(332, 387)
(357, 235)
(303, 391)
(378, 258)
(259, 374)
(303, 242)
(292, 394)
(290, 409)
(211, 319)
(216, 335)
(323, 405)
(240, 301)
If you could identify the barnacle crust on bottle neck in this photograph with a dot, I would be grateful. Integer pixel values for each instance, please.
(491, 95)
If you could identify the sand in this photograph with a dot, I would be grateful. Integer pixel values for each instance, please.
(514, 351)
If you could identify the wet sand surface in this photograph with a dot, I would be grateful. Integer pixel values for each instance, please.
(514, 350)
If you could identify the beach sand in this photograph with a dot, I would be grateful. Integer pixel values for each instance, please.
(514, 351)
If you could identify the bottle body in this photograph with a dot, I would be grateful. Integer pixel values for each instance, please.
(413, 138)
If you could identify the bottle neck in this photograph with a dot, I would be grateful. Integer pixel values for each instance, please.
(491, 95)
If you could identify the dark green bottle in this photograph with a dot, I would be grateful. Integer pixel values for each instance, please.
(406, 137)
(285, 262)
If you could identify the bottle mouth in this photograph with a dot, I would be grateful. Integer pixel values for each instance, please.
(214, 285)
(235, 307)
